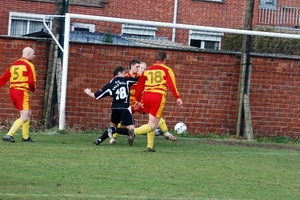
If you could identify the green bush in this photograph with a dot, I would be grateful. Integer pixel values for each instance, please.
(262, 44)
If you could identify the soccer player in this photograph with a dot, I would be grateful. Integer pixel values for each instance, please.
(152, 89)
(136, 69)
(22, 78)
(143, 67)
(118, 90)
(162, 128)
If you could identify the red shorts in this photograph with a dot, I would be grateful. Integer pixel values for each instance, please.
(154, 103)
(20, 99)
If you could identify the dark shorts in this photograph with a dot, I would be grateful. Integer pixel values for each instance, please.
(123, 116)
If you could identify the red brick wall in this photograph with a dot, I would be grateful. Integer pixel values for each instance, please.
(208, 83)
(274, 96)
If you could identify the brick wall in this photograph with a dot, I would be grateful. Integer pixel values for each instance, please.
(208, 83)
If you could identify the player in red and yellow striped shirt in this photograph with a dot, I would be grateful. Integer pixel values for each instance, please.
(22, 77)
(162, 128)
(152, 90)
(134, 71)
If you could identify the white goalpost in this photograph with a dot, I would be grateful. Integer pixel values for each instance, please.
(65, 48)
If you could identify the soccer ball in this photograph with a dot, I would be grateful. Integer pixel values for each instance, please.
(158, 131)
(180, 128)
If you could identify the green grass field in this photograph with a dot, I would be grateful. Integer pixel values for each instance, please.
(68, 166)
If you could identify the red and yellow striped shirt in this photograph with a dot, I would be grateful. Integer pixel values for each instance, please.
(132, 88)
(157, 79)
(21, 75)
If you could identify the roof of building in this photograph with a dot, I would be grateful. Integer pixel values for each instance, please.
(89, 37)
(131, 40)
(158, 42)
(41, 34)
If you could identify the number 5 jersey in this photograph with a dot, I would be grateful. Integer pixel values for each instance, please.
(21, 75)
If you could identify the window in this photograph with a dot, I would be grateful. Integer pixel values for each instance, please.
(268, 4)
(83, 27)
(89, 3)
(220, 1)
(205, 39)
(140, 30)
(25, 23)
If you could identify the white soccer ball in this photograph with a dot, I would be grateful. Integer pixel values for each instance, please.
(180, 128)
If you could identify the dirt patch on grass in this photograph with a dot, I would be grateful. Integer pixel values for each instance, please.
(252, 144)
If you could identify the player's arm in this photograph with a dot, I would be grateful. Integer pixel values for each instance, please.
(140, 88)
(31, 77)
(4, 78)
(132, 80)
(105, 91)
(172, 83)
(89, 92)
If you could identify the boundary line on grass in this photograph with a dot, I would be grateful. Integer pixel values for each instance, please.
(168, 151)
(102, 196)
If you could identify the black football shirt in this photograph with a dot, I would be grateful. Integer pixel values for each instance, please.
(119, 90)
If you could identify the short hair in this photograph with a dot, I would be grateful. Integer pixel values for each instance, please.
(133, 62)
(161, 55)
(143, 63)
(118, 69)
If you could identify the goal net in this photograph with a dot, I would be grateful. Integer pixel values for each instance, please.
(207, 62)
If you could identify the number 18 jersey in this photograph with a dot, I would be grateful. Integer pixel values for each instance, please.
(118, 90)
(157, 79)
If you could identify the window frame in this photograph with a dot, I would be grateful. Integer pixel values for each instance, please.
(91, 27)
(29, 17)
(271, 6)
(90, 3)
(139, 30)
(212, 1)
(203, 36)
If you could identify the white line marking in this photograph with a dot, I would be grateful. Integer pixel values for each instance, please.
(102, 196)
(105, 148)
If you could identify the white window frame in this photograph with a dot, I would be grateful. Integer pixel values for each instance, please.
(218, 1)
(268, 4)
(90, 27)
(29, 17)
(132, 29)
(205, 36)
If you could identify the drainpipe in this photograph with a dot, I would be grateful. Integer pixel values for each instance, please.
(174, 19)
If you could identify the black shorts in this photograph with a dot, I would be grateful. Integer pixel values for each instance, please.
(122, 115)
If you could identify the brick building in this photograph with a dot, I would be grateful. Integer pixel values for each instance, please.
(208, 81)
(20, 17)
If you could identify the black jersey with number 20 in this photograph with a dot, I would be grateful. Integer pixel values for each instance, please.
(119, 90)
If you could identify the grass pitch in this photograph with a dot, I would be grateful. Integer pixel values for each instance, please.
(68, 166)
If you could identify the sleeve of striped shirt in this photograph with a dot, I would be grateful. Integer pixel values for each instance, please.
(172, 83)
(31, 77)
(139, 88)
(4, 78)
